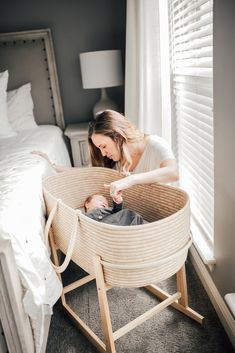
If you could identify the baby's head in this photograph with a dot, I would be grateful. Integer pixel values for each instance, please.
(95, 201)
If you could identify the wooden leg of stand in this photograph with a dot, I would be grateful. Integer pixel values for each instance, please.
(182, 286)
(104, 307)
(182, 303)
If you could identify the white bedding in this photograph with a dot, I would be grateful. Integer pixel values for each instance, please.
(22, 216)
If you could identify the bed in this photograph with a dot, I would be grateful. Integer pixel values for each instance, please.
(29, 286)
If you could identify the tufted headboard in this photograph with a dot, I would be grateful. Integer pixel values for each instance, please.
(29, 57)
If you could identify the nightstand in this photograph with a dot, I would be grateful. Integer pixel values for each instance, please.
(77, 133)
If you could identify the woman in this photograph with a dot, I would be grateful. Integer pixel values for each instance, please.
(115, 143)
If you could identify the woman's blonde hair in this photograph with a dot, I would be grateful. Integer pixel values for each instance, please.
(114, 125)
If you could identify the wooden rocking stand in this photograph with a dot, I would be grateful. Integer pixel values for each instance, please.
(178, 300)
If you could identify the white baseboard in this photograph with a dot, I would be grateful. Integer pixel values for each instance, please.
(217, 300)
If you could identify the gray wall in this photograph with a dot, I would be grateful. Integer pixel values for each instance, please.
(224, 125)
(77, 26)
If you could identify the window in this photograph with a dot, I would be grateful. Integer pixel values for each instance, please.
(191, 55)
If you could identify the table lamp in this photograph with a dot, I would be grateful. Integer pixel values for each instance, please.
(102, 69)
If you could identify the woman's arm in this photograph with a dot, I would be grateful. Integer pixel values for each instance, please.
(58, 168)
(167, 173)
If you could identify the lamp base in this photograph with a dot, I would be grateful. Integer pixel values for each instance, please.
(104, 103)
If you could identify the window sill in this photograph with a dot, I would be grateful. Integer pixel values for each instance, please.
(203, 246)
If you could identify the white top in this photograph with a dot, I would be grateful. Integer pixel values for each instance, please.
(156, 151)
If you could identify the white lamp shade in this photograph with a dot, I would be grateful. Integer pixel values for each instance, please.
(101, 69)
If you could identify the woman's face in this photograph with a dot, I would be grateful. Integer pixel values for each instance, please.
(107, 146)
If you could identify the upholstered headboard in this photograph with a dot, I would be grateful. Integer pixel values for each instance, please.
(29, 57)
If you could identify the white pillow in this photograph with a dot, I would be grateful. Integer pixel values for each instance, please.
(20, 108)
(5, 128)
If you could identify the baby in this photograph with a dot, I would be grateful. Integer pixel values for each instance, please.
(97, 208)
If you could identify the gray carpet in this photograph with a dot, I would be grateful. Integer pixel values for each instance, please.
(167, 332)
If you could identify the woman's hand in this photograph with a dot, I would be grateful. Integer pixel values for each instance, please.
(118, 199)
(116, 187)
(43, 155)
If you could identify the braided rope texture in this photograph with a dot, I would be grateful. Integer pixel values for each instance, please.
(165, 207)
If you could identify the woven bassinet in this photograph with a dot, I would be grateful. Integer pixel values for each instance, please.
(131, 256)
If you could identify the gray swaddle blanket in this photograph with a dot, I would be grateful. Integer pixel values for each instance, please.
(116, 215)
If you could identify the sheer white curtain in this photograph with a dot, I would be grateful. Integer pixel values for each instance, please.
(143, 101)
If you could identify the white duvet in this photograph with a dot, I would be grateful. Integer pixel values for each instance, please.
(22, 213)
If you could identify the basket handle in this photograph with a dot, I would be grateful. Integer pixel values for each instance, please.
(63, 266)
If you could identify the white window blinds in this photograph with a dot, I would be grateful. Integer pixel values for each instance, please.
(192, 105)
